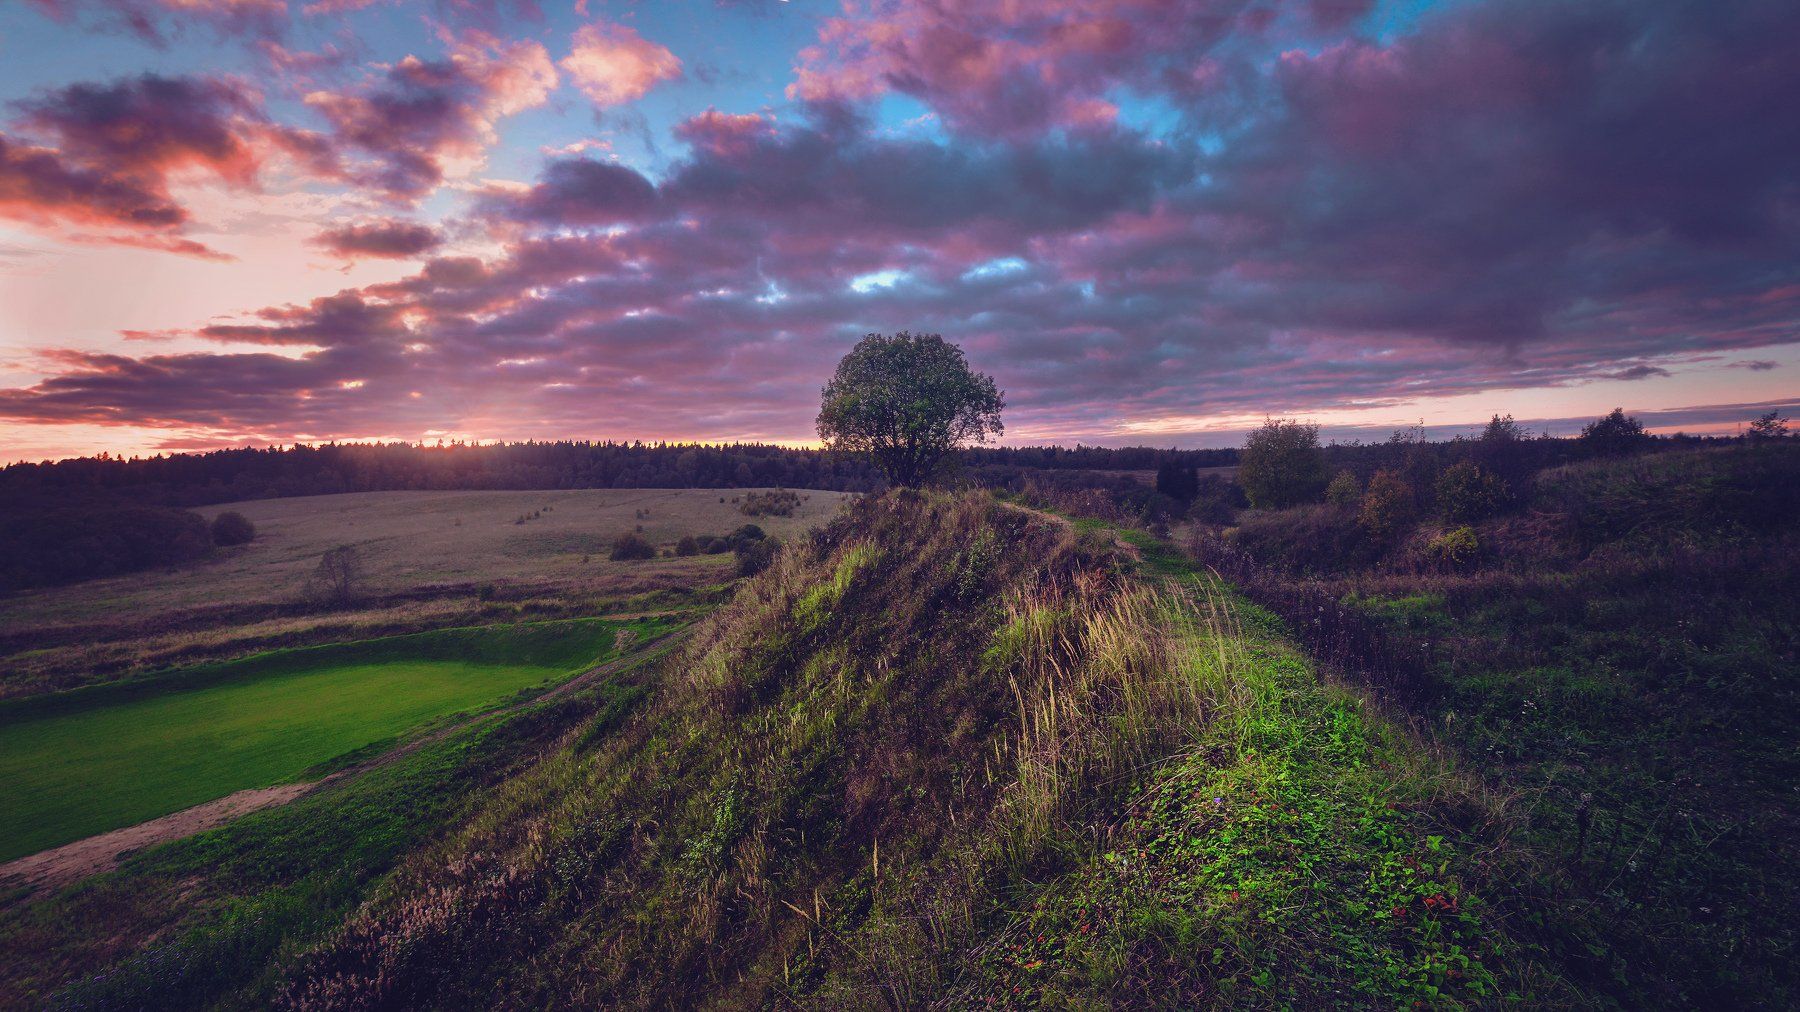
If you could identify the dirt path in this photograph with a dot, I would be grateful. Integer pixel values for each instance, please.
(51, 869)
(48, 869)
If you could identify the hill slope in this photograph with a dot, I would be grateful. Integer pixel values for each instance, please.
(951, 751)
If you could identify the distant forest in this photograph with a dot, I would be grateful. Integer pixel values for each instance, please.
(198, 479)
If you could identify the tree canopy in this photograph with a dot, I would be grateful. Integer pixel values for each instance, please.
(907, 401)
(1282, 464)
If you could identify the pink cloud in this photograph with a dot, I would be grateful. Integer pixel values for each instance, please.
(105, 156)
(612, 64)
(725, 134)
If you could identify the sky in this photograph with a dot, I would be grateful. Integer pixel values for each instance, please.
(256, 222)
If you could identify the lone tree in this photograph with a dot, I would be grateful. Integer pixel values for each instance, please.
(908, 401)
(1282, 464)
(1614, 434)
(339, 576)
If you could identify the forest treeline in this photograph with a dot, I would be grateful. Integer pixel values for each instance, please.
(198, 479)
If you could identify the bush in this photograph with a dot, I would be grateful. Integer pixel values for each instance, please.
(687, 546)
(1468, 493)
(715, 546)
(748, 532)
(1387, 505)
(1282, 464)
(779, 503)
(1456, 548)
(231, 528)
(755, 556)
(1344, 492)
(631, 546)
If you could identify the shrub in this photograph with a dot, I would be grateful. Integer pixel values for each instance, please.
(687, 546)
(1469, 493)
(1456, 548)
(230, 528)
(779, 503)
(1344, 492)
(1282, 464)
(632, 546)
(715, 546)
(754, 556)
(1387, 505)
(748, 532)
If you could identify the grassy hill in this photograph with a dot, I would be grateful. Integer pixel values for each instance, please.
(947, 751)
(954, 750)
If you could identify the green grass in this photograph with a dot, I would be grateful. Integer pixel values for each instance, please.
(97, 760)
(1296, 854)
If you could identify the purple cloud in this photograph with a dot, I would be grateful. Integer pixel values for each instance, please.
(1274, 211)
(386, 238)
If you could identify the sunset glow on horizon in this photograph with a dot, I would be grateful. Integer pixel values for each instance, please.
(261, 222)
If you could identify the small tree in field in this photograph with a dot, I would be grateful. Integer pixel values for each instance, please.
(1767, 428)
(1282, 464)
(339, 576)
(1614, 434)
(908, 401)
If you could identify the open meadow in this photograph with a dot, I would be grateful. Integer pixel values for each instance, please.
(428, 559)
(85, 762)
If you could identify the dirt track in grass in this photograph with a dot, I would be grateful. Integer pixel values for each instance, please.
(52, 869)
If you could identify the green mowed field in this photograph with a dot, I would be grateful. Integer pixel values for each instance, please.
(122, 754)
